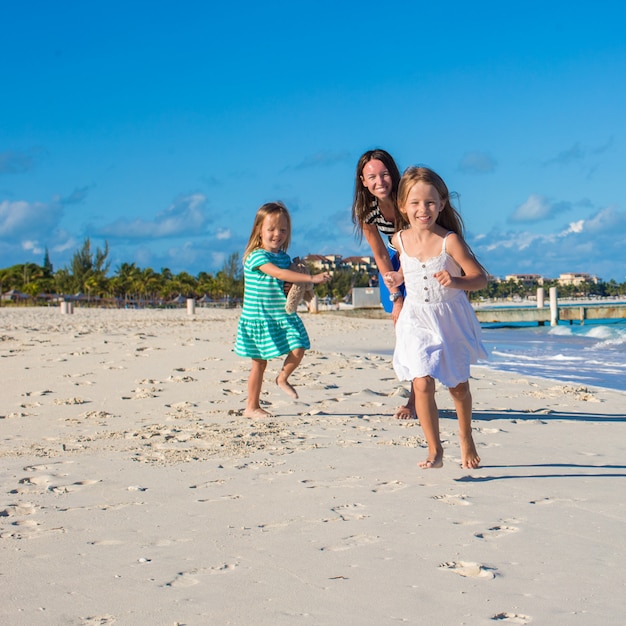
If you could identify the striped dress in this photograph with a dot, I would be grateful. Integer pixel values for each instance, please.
(265, 329)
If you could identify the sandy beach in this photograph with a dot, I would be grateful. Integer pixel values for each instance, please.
(134, 492)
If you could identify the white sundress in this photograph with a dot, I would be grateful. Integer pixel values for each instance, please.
(437, 333)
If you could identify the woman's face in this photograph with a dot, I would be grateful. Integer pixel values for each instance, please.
(377, 179)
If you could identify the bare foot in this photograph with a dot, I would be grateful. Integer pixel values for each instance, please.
(432, 462)
(287, 388)
(469, 455)
(256, 413)
(404, 413)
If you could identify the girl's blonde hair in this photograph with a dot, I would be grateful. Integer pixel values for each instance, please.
(270, 208)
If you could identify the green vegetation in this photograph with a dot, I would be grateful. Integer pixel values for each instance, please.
(88, 274)
(510, 289)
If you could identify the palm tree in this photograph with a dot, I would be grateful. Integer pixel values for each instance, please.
(86, 263)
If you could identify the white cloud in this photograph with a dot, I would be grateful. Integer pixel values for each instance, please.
(608, 220)
(477, 163)
(575, 227)
(185, 216)
(592, 245)
(29, 219)
(32, 246)
(223, 233)
(538, 208)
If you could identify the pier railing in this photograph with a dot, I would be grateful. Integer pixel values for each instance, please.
(553, 315)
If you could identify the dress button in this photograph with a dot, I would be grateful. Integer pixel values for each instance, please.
(425, 299)
(425, 277)
(423, 265)
(425, 288)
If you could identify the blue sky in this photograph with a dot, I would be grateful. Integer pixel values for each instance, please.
(160, 127)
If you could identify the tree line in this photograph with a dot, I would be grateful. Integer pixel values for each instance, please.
(510, 289)
(89, 274)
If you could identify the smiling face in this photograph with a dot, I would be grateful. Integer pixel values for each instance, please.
(423, 205)
(274, 232)
(376, 178)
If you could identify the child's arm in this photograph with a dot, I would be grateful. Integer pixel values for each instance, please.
(394, 279)
(475, 277)
(289, 276)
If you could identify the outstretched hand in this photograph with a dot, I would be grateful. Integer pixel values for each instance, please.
(322, 277)
(393, 279)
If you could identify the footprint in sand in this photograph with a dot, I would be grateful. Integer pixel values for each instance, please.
(453, 498)
(14, 414)
(97, 620)
(183, 579)
(181, 379)
(512, 618)
(353, 541)
(228, 496)
(45, 392)
(18, 510)
(469, 569)
(181, 406)
(58, 489)
(542, 501)
(188, 579)
(347, 512)
(496, 531)
(393, 485)
(37, 481)
(26, 529)
(63, 401)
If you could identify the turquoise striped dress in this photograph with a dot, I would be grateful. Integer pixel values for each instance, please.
(265, 329)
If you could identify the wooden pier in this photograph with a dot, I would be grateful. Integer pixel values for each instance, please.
(564, 312)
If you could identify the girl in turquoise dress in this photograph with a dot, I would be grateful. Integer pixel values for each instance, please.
(265, 328)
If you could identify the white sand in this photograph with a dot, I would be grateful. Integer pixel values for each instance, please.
(133, 492)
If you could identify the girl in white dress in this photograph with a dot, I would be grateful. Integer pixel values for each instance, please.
(437, 333)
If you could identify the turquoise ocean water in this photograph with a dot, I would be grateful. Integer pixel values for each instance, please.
(590, 354)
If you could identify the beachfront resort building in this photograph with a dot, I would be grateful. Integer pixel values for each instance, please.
(360, 264)
(321, 263)
(525, 279)
(576, 279)
(571, 278)
(332, 262)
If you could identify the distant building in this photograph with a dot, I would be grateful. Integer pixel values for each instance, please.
(525, 279)
(322, 263)
(360, 263)
(576, 279)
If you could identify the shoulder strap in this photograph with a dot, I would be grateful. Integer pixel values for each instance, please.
(443, 247)
(400, 241)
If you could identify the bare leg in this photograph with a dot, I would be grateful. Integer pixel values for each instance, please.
(407, 412)
(428, 415)
(255, 382)
(462, 398)
(291, 362)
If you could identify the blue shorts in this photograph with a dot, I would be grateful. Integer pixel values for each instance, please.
(384, 291)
